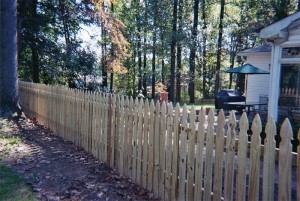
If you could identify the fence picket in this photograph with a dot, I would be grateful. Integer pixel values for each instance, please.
(285, 161)
(121, 130)
(219, 155)
(242, 157)
(151, 144)
(182, 154)
(134, 142)
(255, 159)
(162, 150)
(113, 128)
(117, 133)
(139, 142)
(169, 142)
(230, 152)
(175, 154)
(127, 143)
(128, 135)
(200, 136)
(209, 155)
(269, 161)
(156, 148)
(146, 143)
(191, 155)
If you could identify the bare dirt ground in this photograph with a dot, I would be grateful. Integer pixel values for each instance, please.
(57, 169)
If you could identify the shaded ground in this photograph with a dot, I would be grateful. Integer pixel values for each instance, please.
(58, 170)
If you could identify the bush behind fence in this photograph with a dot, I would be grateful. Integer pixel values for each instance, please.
(171, 151)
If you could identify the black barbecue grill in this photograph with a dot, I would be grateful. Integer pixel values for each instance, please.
(229, 95)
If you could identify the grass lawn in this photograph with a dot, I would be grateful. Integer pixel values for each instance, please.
(198, 106)
(12, 187)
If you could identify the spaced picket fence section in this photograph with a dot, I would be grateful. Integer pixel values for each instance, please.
(177, 154)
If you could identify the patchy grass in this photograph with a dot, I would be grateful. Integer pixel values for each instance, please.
(12, 187)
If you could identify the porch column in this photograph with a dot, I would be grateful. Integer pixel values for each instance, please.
(274, 82)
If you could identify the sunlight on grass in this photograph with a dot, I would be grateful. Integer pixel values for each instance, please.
(12, 188)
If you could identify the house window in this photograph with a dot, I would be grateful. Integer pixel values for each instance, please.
(289, 100)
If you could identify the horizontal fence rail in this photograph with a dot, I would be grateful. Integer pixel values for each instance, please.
(172, 151)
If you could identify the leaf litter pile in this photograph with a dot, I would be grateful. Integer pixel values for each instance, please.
(56, 169)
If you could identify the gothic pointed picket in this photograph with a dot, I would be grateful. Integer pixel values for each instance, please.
(209, 155)
(175, 154)
(162, 150)
(269, 160)
(156, 148)
(151, 146)
(145, 143)
(200, 136)
(191, 155)
(182, 154)
(128, 134)
(139, 142)
(230, 153)
(169, 150)
(255, 159)
(285, 161)
(219, 155)
(242, 158)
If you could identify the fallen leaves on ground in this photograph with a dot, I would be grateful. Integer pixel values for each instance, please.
(56, 169)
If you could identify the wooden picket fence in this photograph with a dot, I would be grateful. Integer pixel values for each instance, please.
(171, 151)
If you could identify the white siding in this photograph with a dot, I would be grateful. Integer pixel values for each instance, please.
(258, 84)
(294, 35)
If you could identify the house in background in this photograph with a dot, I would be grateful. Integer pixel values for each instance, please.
(282, 58)
(259, 57)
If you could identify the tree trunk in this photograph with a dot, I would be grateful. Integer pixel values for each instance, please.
(154, 50)
(145, 67)
(173, 52)
(219, 51)
(145, 52)
(204, 59)
(179, 48)
(163, 80)
(112, 55)
(8, 62)
(139, 47)
(191, 88)
(33, 45)
(103, 58)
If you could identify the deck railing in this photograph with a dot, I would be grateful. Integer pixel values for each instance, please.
(172, 151)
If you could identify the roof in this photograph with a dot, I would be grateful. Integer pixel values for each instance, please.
(257, 50)
(279, 29)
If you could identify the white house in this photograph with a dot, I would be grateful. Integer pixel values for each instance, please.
(257, 85)
(282, 58)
